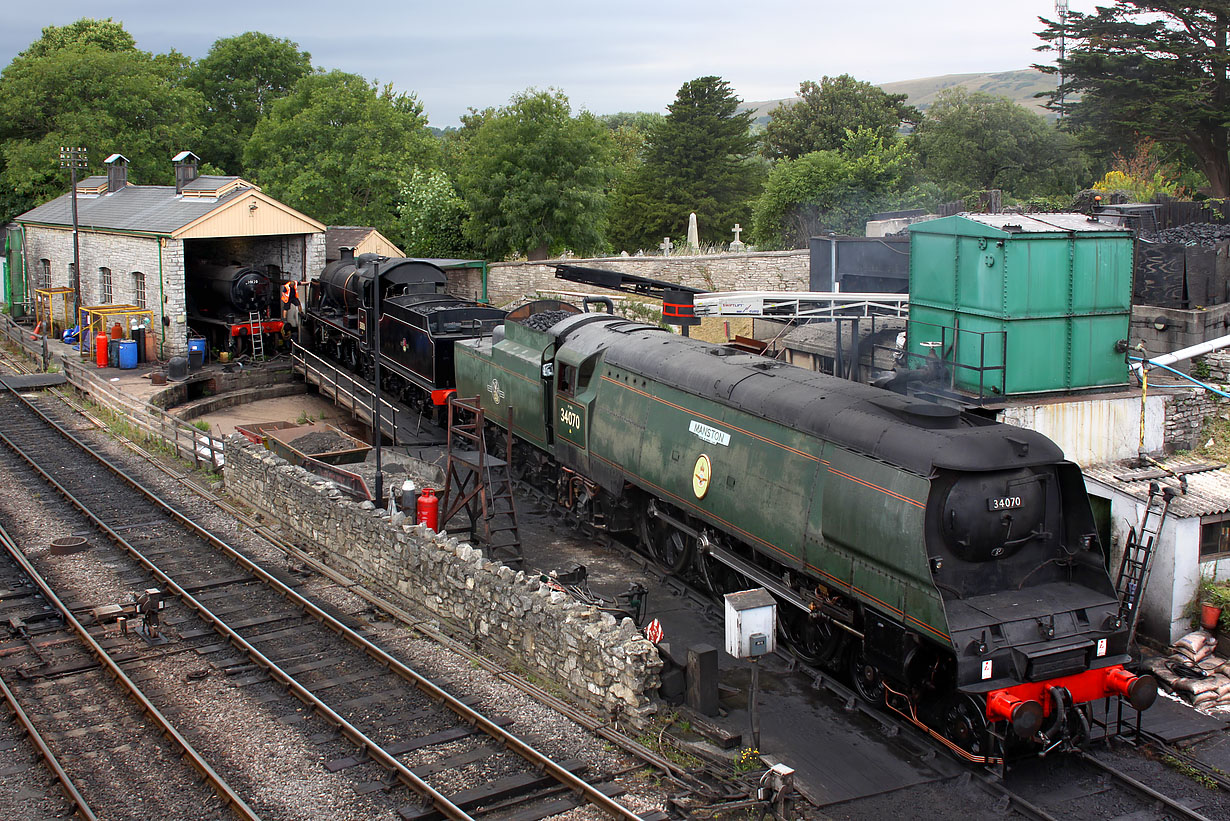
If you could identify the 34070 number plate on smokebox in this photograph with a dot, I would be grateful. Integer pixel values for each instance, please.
(1003, 502)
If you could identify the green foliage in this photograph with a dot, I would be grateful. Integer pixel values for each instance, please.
(534, 177)
(431, 217)
(747, 760)
(1149, 68)
(825, 111)
(85, 85)
(973, 142)
(697, 160)
(240, 79)
(201, 425)
(340, 149)
(106, 34)
(1141, 174)
(835, 190)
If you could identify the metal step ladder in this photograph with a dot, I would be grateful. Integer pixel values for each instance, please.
(256, 333)
(1138, 556)
(480, 484)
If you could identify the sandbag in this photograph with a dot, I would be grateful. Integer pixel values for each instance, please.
(1195, 656)
(1190, 644)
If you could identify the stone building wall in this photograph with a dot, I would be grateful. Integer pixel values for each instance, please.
(509, 282)
(603, 663)
(123, 255)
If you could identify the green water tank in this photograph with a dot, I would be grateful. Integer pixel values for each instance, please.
(1021, 304)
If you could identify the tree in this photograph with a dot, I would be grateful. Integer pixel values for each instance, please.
(240, 78)
(431, 217)
(834, 190)
(819, 119)
(340, 150)
(86, 85)
(971, 142)
(534, 177)
(697, 160)
(1149, 68)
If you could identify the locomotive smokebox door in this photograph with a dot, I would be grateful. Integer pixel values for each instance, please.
(751, 623)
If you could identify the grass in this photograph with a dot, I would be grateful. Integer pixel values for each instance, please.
(1191, 772)
(1215, 437)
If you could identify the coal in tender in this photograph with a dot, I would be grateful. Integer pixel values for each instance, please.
(321, 442)
(544, 320)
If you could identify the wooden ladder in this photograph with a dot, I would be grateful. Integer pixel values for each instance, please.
(256, 332)
(479, 483)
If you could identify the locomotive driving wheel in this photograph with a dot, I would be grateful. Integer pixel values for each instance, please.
(669, 546)
(813, 641)
(865, 676)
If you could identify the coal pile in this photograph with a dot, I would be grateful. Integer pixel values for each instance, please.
(321, 442)
(1203, 234)
(543, 321)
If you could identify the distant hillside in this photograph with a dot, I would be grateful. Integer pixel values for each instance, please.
(1018, 86)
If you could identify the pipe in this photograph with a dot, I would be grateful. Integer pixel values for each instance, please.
(1186, 353)
(162, 302)
(1191, 379)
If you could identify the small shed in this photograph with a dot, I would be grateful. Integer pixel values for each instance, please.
(363, 239)
(1024, 304)
(1193, 544)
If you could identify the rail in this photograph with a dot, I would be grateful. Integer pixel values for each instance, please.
(958, 349)
(195, 759)
(187, 441)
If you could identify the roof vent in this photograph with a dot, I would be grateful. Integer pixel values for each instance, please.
(186, 169)
(117, 172)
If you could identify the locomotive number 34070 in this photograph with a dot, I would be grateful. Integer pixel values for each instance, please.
(1003, 502)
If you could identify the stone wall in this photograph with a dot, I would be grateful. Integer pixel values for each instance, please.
(1185, 415)
(603, 663)
(509, 282)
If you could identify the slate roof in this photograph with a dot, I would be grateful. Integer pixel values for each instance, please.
(1208, 484)
(146, 208)
(344, 236)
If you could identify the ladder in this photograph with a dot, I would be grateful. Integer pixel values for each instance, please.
(479, 483)
(256, 334)
(1138, 556)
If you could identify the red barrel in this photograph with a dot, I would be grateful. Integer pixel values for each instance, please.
(100, 349)
(428, 509)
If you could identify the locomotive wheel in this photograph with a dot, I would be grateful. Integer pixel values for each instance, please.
(965, 725)
(813, 642)
(865, 677)
(670, 547)
(720, 579)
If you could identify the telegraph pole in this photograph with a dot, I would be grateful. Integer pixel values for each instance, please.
(72, 159)
(1061, 9)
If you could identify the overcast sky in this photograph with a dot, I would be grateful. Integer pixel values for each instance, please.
(607, 57)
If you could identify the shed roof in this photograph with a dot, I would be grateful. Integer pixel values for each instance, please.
(1208, 484)
(1008, 225)
(152, 209)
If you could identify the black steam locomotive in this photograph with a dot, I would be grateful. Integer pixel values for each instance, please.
(419, 323)
(228, 304)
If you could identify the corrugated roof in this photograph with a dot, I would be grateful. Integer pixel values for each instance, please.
(1208, 484)
(146, 208)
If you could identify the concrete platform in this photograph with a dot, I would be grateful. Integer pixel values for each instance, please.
(34, 381)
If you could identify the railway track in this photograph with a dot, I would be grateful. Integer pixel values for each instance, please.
(254, 627)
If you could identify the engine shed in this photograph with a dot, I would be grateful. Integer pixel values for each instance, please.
(138, 244)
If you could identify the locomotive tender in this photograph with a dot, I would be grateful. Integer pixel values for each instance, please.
(419, 323)
(952, 562)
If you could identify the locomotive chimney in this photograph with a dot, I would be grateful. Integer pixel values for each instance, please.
(117, 172)
(185, 169)
(347, 253)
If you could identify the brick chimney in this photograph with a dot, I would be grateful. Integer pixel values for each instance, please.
(185, 169)
(117, 172)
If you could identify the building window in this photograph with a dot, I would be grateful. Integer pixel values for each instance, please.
(104, 278)
(138, 288)
(1214, 537)
(44, 274)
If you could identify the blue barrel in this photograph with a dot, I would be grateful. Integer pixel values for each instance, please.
(128, 353)
(196, 352)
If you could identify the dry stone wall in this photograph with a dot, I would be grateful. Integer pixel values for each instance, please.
(509, 282)
(606, 664)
